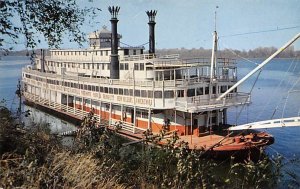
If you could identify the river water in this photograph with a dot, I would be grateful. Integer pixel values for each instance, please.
(276, 94)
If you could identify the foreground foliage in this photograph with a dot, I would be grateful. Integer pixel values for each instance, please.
(33, 158)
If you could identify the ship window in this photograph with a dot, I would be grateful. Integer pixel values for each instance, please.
(213, 120)
(121, 66)
(126, 51)
(180, 93)
(116, 91)
(199, 91)
(206, 90)
(131, 92)
(126, 66)
(136, 66)
(105, 89)
(223, 89)
(137, 93)
(150, 94)
(169, 94)
(143, 93)
(138, 114)
(157, 94)
(126, 92)
(121, 91)
(111, 91)
(190, 92)
(144, 115)
(141, 66)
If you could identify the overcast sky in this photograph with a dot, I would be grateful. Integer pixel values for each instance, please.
(190, 23)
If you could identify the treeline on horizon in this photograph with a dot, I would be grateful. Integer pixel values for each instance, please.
(260, 52)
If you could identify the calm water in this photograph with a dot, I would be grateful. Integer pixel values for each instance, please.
(275, 95)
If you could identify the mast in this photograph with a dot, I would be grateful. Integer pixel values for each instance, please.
(213, 65)
(260, 66)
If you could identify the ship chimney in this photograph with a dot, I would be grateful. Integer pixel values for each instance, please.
(151, 14)
(114, 57)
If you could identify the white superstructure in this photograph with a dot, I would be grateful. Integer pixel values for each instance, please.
(152, 90)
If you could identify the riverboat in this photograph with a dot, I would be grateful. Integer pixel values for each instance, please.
(143, 90)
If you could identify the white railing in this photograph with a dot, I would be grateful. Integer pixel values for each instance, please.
(198, 102)
(137, 57)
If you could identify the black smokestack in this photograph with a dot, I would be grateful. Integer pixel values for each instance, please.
(114, 57)
(151, 14)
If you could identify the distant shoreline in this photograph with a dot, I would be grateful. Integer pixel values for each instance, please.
(260, 52)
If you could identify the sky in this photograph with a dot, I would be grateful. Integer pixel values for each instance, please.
(241, 24)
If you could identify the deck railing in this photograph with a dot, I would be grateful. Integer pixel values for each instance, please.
(128, 82)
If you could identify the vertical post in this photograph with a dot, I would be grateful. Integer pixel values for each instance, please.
(110, 109)
(175, 119)
(134, 119)
(149, 119)
(191, 128)
(67, 108)
(74, 104)
(122, 109)
(100, 111)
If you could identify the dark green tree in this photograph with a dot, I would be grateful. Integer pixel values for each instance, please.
(52, 18)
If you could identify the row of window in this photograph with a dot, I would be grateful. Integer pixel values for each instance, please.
(138, 93)
(139, 113)
(103, 66)
(101, 53)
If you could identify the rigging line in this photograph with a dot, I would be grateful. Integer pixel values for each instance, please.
(246, 59)
(126, 44)
(262, 31)
(250, 92)
(288, 96)
(276, 89)
(281, 81)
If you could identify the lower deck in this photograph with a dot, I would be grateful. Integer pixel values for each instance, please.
(135, 119)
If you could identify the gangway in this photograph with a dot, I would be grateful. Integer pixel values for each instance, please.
(267, 124)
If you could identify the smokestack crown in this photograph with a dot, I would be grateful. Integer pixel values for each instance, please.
(151, 15)
(114, 11)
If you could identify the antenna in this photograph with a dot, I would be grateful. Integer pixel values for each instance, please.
(216, 17)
